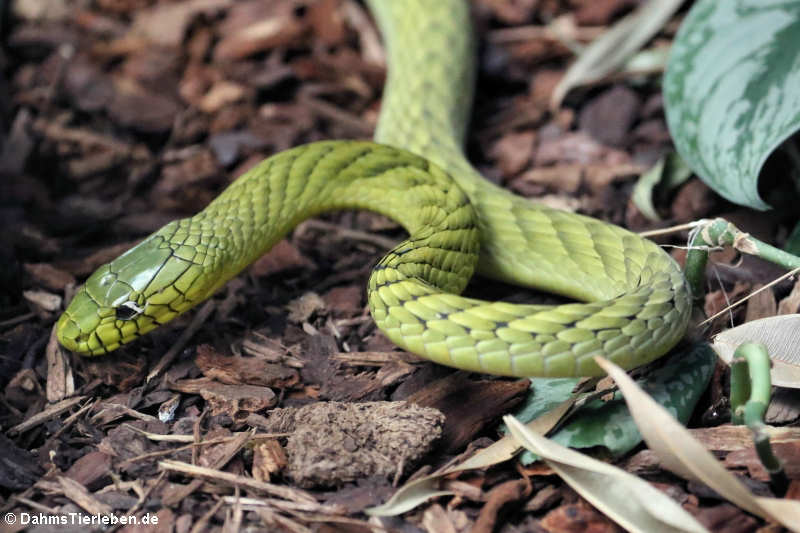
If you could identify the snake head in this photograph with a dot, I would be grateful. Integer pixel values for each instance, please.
(133, 294)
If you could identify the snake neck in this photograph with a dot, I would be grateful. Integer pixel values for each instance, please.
(263, 205)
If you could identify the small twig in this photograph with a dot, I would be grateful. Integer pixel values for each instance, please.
(71, 419)
(724, 293)
(43, 416)
(160, 453)
(16, 320)
(673, 229)
(38, 506)
(330, 519)
(201, 524)
(233, 521)
(158, 437)
(119, 410)
(283, 505)
(338, 115)
(227, 478)
(742, 300)
(531, 32)
(80, 496)
(142, 499)
(227, 453)
(275, 520)
(196, 435)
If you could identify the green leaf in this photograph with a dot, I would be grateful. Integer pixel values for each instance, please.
(615, 47)
(677, 386)
(669, 172)
(731, 90)
(793, 241)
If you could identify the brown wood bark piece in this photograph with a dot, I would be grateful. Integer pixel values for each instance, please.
(235, 400)
(469, 405)
(243, 370)
(91, 470)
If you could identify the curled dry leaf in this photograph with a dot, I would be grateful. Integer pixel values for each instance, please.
(631, 502)
(668, 173)
(680, 453)
(781, 336)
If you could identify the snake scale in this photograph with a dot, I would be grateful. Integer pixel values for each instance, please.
(635, 303)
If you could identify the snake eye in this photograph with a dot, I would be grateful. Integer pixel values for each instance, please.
(128, 311)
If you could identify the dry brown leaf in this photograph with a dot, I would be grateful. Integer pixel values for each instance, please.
(301, 309)
(51, 277)
(761, 305)
(269, 458)
(628, 500)
(791, 303)
(513, 151)
(610, 51)
(234, 370)
(683, 455)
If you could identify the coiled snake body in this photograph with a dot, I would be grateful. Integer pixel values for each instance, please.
(636, 306)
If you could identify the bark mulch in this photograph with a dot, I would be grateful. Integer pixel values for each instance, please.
(278, 405)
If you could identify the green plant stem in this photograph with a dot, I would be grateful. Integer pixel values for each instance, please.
(740, 389)
(720, 232)
(751, 388)
(755, 357)
(695, 268)
(751, 385)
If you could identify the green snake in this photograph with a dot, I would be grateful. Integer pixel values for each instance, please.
(635, 301)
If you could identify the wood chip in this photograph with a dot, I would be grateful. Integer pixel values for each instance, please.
(244, 370)
(235, 400)
(91, 470)
(45, 301)
(469, 404)
(45, 415)
(78, 494)
(269, 458)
